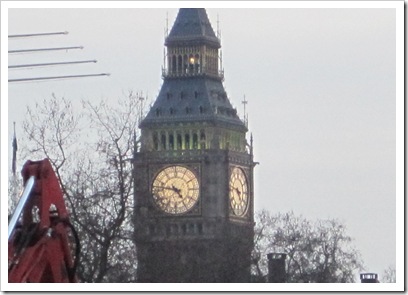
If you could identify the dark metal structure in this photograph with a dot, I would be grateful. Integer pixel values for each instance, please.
(276, 268)
(369, 278)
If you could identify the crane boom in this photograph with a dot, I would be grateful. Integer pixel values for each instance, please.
(20, 206)
(39, 247)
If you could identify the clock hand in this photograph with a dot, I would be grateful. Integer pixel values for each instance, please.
(172, 188)
(160, 187)
(239, 193)
(165, 187)
(177, 191)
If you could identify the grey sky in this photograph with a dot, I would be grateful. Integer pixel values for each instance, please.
(321, 86)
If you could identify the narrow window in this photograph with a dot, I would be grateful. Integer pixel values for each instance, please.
(174, 64)
(179, 141)
(155, 141)
(187, 141)
(180, 64)
(171, 142)
(202, 139)
(197, 63)
(163, 141)
(195, 141)
(191, 62)
(185, 64)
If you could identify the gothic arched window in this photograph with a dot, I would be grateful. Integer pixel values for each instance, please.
(191, 63)
(185, 64)
(179, 141)
(155, 141)
(187, 141)
(163, 141)
(202, 139)
(195, 141)
(174, 64)
(197, 63)
(179, 64)
(171, 142)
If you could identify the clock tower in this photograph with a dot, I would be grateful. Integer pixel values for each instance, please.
(193, 172)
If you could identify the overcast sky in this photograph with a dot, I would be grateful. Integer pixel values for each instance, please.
(321, 86)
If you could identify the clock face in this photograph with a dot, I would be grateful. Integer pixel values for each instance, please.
(175, 189)
(238, 192)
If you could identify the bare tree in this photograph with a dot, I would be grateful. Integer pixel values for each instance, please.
(389, 275)
(91, 152)
(319, 252)
(14, 187)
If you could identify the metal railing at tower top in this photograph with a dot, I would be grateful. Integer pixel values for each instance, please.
(166, 73)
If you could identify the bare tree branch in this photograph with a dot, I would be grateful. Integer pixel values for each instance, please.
(95, 173)
(318, 251)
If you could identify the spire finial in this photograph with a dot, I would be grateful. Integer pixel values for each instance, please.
(245, 102)
(166, 32)
(141, 99)
(218, 27)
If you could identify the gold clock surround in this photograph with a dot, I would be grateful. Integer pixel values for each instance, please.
(175, 189)
(238, 193)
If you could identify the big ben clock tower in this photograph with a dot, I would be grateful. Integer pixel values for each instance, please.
(194, 192)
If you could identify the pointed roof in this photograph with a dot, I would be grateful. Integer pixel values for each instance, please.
(192, 25)
(196, 98)
(193, 100)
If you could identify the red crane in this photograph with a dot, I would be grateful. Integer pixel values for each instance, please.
(40, 247)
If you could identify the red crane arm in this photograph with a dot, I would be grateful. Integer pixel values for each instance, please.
(39, 247)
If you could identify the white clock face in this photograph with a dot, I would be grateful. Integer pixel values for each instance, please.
(238, 192)
(175, 189)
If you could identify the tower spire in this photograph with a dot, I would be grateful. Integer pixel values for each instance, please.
(245, 102)
(166, 32)
(192, 57)
(194, 171)
(218, 27)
